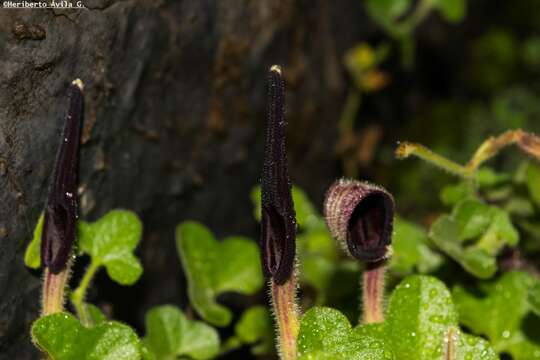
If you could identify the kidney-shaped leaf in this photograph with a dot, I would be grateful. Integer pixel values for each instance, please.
(422, 324)
(326, 333)
(445, 234)
(62, 337)
(110, 241)
(170, 334)
(214, 267)
(502, 313)
(255, 327)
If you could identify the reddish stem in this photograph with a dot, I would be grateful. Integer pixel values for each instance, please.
(373, 292)
(286, 313)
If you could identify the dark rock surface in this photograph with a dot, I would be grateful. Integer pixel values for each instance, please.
(175, 98)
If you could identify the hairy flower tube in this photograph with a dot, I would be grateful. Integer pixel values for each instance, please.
(360, 216)
(278, 220)
(60, 214)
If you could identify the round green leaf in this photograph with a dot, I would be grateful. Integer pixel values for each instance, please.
(420, 312)
(62, 337)
(255, 326)
(422, 324)
(213, 267)
(170, 334)
(410, 249)
(501, 312)
(326, 333)
(110, 241)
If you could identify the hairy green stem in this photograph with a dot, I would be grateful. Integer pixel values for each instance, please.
(406, 149)
(451, 339)
(287, 317)
(373, 292)
(78, 296)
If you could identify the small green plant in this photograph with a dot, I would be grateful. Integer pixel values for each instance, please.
(399, 290)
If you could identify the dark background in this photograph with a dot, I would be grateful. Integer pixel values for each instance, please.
(175, 99)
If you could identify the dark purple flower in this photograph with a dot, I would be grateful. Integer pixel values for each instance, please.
(278, 222)
(60, 221)
(360, 215)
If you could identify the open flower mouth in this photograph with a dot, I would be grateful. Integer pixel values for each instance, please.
(59, 233)
(360, 215)
(369, 230)
(278, 244)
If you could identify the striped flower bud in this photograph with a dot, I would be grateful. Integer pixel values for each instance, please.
(278, 221)
(360, 216)
(60, 222)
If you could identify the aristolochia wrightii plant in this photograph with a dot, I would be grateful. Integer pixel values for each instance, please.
(421, 321)
(109, 242)
(360, 216)
(60, 215)
(278, 222)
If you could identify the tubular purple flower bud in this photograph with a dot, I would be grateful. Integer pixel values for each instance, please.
(360, 216)
(59, 226)
(278, 222)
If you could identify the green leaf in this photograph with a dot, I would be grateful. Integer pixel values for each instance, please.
(255, 327)
(422, 323)
(479, 263)
(445, 233)
(63, 337)
(534, 297)
(386, 12)
(472, 217)
(317, 272)
(473, 235)
(520, 206)
(110, 242)
(32, 255)
(326, 333)
(170, 334)
(501, 232)
(486, 177)
(420, 313)
(533, 181)
(452, 10)
(319, 243)
(410, 249)
(471, 347)
(96, 315)
(213, 267)
(452, 194)
(319, 255)
(501, 312)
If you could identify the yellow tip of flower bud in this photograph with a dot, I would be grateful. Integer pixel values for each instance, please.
(276, 68)
(78, 83)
